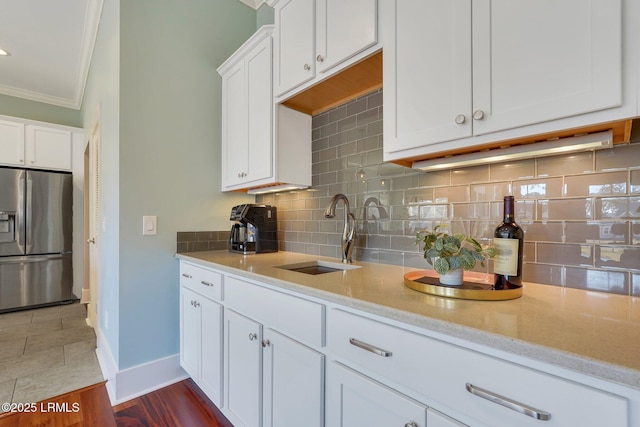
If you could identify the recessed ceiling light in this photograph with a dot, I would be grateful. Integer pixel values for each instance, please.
(4, 52)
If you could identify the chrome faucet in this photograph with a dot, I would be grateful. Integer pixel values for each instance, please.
(349, 233)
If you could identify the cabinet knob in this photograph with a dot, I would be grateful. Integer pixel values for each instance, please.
(188, 276)
(253, 336)
(307, 67)
(91, 240)
(320, 58)
(206, 283)
(266, 343)
(478, 115)
(460, 119)
(411, 424)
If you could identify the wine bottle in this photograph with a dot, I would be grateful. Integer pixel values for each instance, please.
(508, 239)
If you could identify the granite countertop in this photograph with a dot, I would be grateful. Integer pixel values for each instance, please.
(592, 333)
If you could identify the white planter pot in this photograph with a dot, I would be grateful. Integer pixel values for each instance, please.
(452, 278)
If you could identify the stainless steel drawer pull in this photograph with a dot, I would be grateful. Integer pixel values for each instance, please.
(206, 283)
(509, 403)
(369, 347)
(188, 276)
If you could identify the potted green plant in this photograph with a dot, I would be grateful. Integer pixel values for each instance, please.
(451, 254)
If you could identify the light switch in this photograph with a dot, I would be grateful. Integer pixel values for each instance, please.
(149, 225)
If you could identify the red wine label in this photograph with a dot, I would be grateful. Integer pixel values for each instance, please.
(506, 259)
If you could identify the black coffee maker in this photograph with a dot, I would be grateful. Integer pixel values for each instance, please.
(255, 229)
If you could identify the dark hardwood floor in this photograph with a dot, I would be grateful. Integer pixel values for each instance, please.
(179, 405)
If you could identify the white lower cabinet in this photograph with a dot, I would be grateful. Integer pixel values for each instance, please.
(353, 400)
(493, 391)
(293, 383)
(436, 419)
(292, 360)
(271, 379)
(201, 328)
(201, 342)
(243, 369)
(190, 333)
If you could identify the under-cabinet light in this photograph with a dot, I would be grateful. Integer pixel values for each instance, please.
(4, 52)
(276, 188)
(589, 142)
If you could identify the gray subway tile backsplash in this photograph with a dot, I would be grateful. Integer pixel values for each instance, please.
(580, 212)
(195, 241)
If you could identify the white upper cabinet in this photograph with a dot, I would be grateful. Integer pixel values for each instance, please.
(427, 71)
(34, 146)
(313, 37)
(48, 148)
(254, 152)
(463, 73)
(343, 29)
(295, 44)
(11, 143)
(522, 75)
(247, 114)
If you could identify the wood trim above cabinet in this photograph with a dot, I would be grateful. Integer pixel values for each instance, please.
(621, 134)
(357, 80)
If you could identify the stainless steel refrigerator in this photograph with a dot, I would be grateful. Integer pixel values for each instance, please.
(35, 238)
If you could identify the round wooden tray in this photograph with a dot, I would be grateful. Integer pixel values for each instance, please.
(476, 286)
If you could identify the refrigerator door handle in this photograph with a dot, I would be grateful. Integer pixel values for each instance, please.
(19, 222)
(29, 212)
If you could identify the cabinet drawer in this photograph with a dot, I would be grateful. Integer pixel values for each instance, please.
(442, 372)
(201, 280)
(299, 318)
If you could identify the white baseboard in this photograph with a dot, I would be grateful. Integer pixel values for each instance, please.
(138, 380)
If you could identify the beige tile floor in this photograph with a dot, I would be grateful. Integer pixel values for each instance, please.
(45, 352)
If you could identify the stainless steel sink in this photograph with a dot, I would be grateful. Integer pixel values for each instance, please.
(317, 267)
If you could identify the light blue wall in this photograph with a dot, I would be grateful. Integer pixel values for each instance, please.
(101, 106)
(169, 154)
(18, 107)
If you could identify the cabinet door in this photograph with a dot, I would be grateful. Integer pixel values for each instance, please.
(12, 143)
(190, 333)
(357, 401)
(259, 112)
(243, 373)
(293, 383)
(48, 148)
(436, 419)
(210, 380)
(235, 143)
(427, 72)
(295, 44)
(344, 28)
(544, 60)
